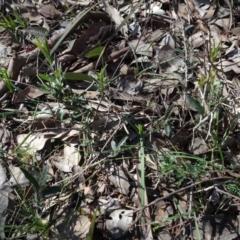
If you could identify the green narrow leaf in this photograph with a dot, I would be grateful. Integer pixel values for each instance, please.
(195, 104)
(168, 129)
(77, 76)
(122, 142)
(198, 235)
(142, 164)
(113, 145)
(71, 26)
(91, 229)
(168, 112)
(30, 177)
(44, 77)
(96, 52)
(43, 177)
(43, 47)
(51, 191)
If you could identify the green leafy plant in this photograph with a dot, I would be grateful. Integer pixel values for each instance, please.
(31, 218)
(215, 52)
(43, 47)
(14, 22)
(166, 121)
(233, 188)
(6, 79)
(181, 165)
(54, 83)
(102, 80)
(96, 52)
(117, 147)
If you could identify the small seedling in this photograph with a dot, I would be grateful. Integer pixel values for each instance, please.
(117, 148)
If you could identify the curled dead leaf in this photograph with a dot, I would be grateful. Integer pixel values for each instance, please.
(49, 11)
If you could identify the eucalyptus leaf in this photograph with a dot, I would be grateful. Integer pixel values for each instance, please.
(96, 52)
(43, 177)
(114, 146)
(45, 77)
(168, 129)
(30, 177)
(77, 76)
(51, 191)
(169, 112)
(38, 32)
(195, 104)
(122, 142)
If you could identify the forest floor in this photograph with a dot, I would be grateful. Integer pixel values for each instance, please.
(120, 119)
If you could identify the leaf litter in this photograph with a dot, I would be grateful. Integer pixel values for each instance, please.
(119, 120)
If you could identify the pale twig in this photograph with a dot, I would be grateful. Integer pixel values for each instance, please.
(226, 193)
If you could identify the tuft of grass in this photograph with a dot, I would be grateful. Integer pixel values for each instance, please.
(14, 23)
(7, 80)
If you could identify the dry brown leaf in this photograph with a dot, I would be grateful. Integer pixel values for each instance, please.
(71, 158)
(80, 45)
(29, 92)
(197, 39)
(227, 66)
(33, 16)
(210, 12)
(183, 11)
(78, 171)
(236, 31)
(49, 11)
(130, 85)
(116, 17)
(168, 61)
(155, 9)
(18, 177)
(215, 39)
(198, 146)
(166, 85)
(32, 143)
(155, 36)
(119, 179)
(162, 211)
(224, 23)
(178, 27)
(72, 225)
(141, 48)
(88, 94)
(109, 121)
(26, 7)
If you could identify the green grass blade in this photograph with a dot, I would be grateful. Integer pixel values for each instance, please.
(142, 159)
(70, 27)
(91, 229)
